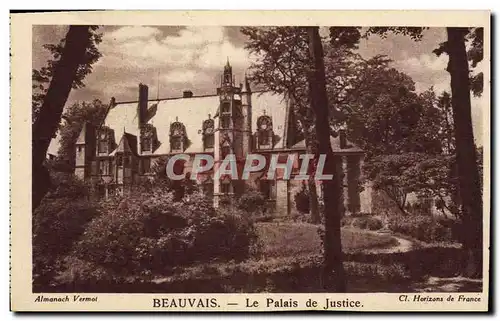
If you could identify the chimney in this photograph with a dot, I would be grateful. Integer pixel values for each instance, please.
(187, 94)
(112, 102)
(142, 108)
(342, 139)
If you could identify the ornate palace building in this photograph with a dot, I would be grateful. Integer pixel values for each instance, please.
(235, 120)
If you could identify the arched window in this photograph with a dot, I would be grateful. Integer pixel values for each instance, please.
(208, 133)
(264, 132)
(225, 145)
(177, 137)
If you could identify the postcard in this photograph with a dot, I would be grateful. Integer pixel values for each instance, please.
(243, 161)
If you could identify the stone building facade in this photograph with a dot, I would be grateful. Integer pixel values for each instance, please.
(235, 120)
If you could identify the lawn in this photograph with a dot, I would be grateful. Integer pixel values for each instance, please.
(297, 239)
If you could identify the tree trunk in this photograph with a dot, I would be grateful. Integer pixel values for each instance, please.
(45, 127)
(468, 174)
(333, 274)
(313, 195)
(313, 201)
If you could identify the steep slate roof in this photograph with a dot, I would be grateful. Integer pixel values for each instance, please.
(128, 142)
(335, 143)
(192, 112)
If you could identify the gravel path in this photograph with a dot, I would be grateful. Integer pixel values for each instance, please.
(403, 245)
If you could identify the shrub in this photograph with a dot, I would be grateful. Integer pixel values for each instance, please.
(422, 227)
(388, 272)
(367, 222)
(150, 232)
(302, 200)
(57, 224)
(374, 223)
(360, 222)
(251, 201)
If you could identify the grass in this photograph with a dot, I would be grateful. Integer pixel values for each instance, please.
(297, 239)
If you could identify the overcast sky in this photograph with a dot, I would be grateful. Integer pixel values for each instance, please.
(192, 58)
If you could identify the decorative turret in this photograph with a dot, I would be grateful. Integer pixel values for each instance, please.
(228, 132)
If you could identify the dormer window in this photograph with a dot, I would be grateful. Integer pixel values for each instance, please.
(146, 144)
(105, 140)
(208, 133)
(176, 144)
(103, 143)
(265, 132)
(149, 140)
(177, 137)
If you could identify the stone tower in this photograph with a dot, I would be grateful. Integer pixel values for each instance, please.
(229, 123)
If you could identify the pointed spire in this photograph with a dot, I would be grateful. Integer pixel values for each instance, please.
(227, 67)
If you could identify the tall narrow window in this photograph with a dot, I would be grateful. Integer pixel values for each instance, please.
(265, 132)
(146, 144)
(103, 167)
(177, 137)
(225, 188)
(208, 133)
(119, 160)
(225, 108)
(103, 143)
(225, 121)
(265, 188)
(149, 138)
(146, 165)
(105, 140)
(225, 150)
(208, 187)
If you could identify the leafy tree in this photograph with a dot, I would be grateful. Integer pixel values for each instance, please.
(429, 176)
(71, 61)
(282, 65)
(75, 117)
(41, 77)
(179, 188)
(462, 83)
(57, 224)
(385, 115)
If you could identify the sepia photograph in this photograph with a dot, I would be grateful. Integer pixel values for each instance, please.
(258, 159)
